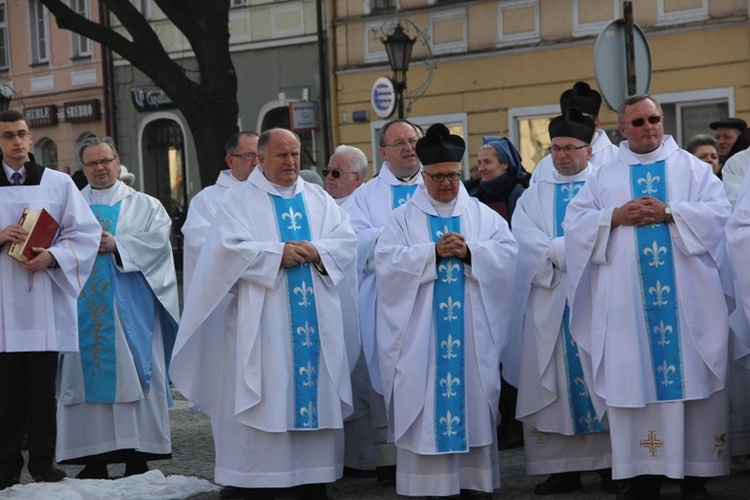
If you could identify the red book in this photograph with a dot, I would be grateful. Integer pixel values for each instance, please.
(42, 229)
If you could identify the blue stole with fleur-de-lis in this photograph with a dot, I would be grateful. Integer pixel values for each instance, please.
(581, 409)
(448, 311)
(293, 225)
(400, 194)
(656, 271)
(96, 320)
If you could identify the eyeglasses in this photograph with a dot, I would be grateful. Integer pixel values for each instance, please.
(566, 149)
(9, 136)
(412, 141)
(335, 173)
(438, 178)
(245, 156)
(103, 162)
(639, 122)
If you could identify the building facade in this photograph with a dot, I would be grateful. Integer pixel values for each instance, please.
(275, 55)
(498, 67)
(56, 78)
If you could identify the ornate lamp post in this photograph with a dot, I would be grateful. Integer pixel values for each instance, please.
(398, 46)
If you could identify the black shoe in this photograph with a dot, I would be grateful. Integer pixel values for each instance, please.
(386, 475)
(694, 488)
(475, 495)
(49, 474)
(7, 482)
(316, 491)
(639, 488)
(256, 493)
(607, 483)
(563, 482)
(94, 471)
(135, 467)
(231, 492)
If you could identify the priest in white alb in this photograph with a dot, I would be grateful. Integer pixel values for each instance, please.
(443, 262)
(375, 200)
(649, 299)
(281, 388)
(114, 394)
(564, 435)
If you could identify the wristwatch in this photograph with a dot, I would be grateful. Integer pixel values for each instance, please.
(668, 217)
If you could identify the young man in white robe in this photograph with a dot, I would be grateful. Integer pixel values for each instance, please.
(589, 101)
(344, 175)
(564, 434)
(114, 394)
(38, 301)
(442, 262)
(279, 388)
(647, 271)
(395, 184)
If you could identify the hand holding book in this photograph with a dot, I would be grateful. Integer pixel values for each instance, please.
(13, 234)
(40, 230)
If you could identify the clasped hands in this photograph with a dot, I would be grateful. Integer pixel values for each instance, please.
(299, 252)
(452, 245)
(639, 212)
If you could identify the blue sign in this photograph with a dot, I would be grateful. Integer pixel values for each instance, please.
(383, 97)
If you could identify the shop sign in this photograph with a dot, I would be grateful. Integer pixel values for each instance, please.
(151, 99)
(41, 116)
(82, 111)
(303, 115)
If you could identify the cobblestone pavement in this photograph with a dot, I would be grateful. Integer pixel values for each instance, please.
(193, 455)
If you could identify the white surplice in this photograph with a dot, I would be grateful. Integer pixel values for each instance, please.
(733, 174)
(738, 242)
(200, 217)
(142, 422)
(406, 268)
(374, 206)
(250, 396)
(551, 444)
(359, 452)
(38, 311)
(608, 322)
(602, 152)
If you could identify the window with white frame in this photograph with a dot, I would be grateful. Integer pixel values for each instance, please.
(234, 4)
(4, 56)
(529, 131)
(39, 32)
(82, 46)
(517, 21)
(681, 11)
(591, 16)
(455, 122)
(448, 31)
(689, 113)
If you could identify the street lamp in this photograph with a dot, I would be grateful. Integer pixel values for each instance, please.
(398, 46)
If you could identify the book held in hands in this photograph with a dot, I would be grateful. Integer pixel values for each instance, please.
(42, 229)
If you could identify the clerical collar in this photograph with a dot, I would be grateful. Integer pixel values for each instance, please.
(444, 209)
(407, 180)
(103, 196)
(286, 192)
(649, 157)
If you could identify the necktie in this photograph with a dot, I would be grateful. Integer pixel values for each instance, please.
(16, 178)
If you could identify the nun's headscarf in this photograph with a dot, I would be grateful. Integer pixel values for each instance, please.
(510, 155)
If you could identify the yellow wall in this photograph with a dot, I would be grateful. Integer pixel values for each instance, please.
(484, 85)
